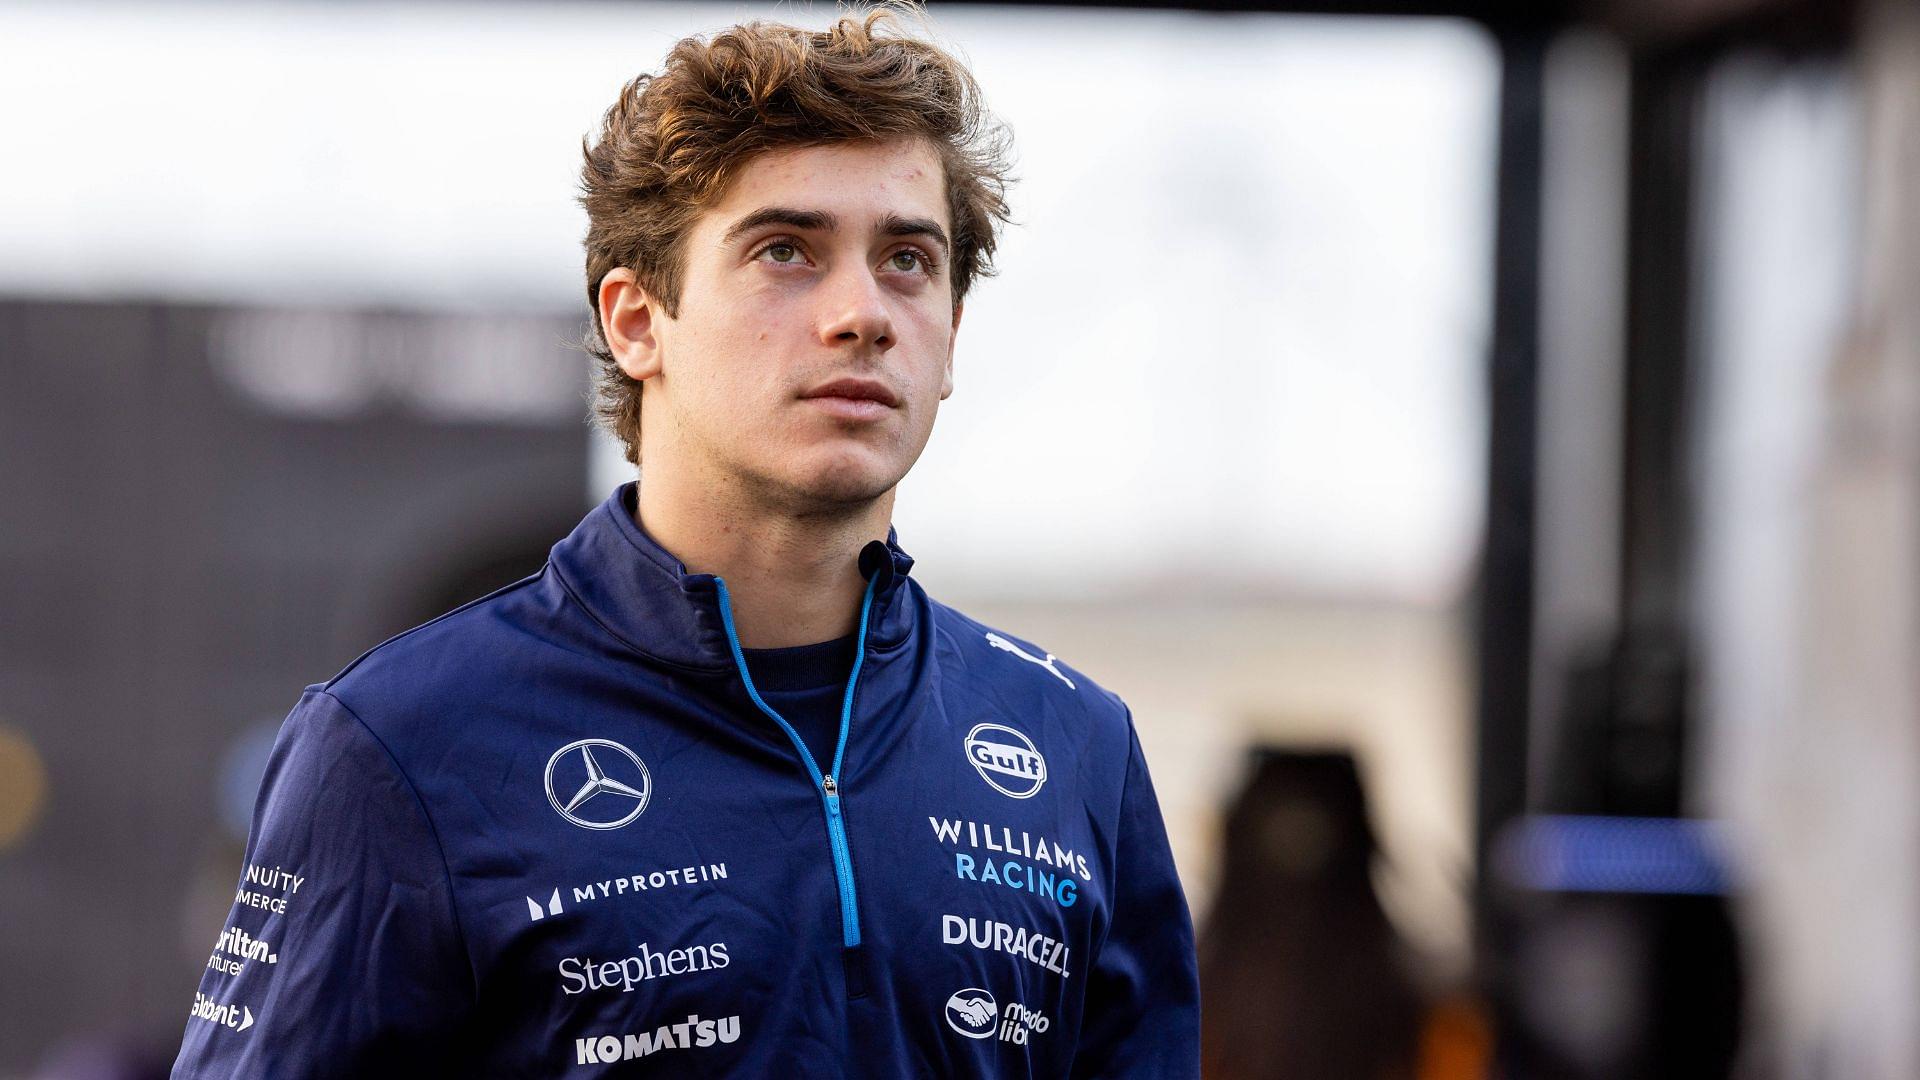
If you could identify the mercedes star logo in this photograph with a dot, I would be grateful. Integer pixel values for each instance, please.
(602, 800)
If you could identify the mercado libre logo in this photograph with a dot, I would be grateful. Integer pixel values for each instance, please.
(973, 1012)
(1007, 760)
(597, 783)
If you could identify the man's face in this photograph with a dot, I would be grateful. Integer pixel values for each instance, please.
(819, 264)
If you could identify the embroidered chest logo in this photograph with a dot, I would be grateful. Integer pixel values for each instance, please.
(1003, 644)
(973, 1012)
(607, 783)
(1007, 760)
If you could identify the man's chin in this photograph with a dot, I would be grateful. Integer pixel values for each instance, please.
(844, 489)
(841, 484)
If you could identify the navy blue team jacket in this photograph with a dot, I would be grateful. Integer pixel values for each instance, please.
(559, 831)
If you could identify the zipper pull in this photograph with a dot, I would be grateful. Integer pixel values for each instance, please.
(828, 785)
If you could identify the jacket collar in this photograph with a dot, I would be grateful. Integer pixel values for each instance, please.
(642, 595)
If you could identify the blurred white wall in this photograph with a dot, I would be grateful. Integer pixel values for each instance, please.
(1236, 339)
(1807, 562)
(1206, 679)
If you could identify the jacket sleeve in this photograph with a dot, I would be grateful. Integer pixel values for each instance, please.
(1142, 1015)
(342, 953)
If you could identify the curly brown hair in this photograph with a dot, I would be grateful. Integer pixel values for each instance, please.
(672, 142)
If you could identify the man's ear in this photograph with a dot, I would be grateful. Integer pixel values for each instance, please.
(627, 315)
(946, 379)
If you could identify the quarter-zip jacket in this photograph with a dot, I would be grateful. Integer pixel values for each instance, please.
(558, 831)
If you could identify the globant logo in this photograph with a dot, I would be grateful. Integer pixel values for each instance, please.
(1007, 760)
(213, 1012)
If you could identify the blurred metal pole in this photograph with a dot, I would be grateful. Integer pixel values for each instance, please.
(1505, 616)
(1638, 765)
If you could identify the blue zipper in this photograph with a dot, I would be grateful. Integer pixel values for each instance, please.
(830, 789)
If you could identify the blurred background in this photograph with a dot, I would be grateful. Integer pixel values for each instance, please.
(1477, 439)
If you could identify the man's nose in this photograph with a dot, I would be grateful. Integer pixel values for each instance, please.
(856, 311)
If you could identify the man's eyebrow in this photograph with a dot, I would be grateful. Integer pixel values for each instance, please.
(781, 215)
(895, 225)
(890, 225)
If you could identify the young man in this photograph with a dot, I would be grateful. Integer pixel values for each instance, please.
(721, 791)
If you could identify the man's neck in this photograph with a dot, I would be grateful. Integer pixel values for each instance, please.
(793, 580)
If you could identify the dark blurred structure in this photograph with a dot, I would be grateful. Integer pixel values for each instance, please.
(1641, 232)
(186, 490)
(1303, 976)
(1638, 238)
(1625, 958)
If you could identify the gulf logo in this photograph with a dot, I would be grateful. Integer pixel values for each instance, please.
(1007, 760)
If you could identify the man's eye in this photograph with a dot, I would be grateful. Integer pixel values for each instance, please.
(916, 260)
(782, 252)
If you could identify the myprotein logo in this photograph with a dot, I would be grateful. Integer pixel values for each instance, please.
(554, 907)
(973, 1012)
(1007, 760)
(637, 881)
(607, 785)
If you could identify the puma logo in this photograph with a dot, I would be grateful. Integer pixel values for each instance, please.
(999, 642)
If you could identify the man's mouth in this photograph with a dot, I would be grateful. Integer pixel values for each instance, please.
(854, 399)
(847, 408)
(854, 389)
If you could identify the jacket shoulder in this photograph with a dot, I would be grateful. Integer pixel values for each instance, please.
(1009, 660)
(446, 658)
